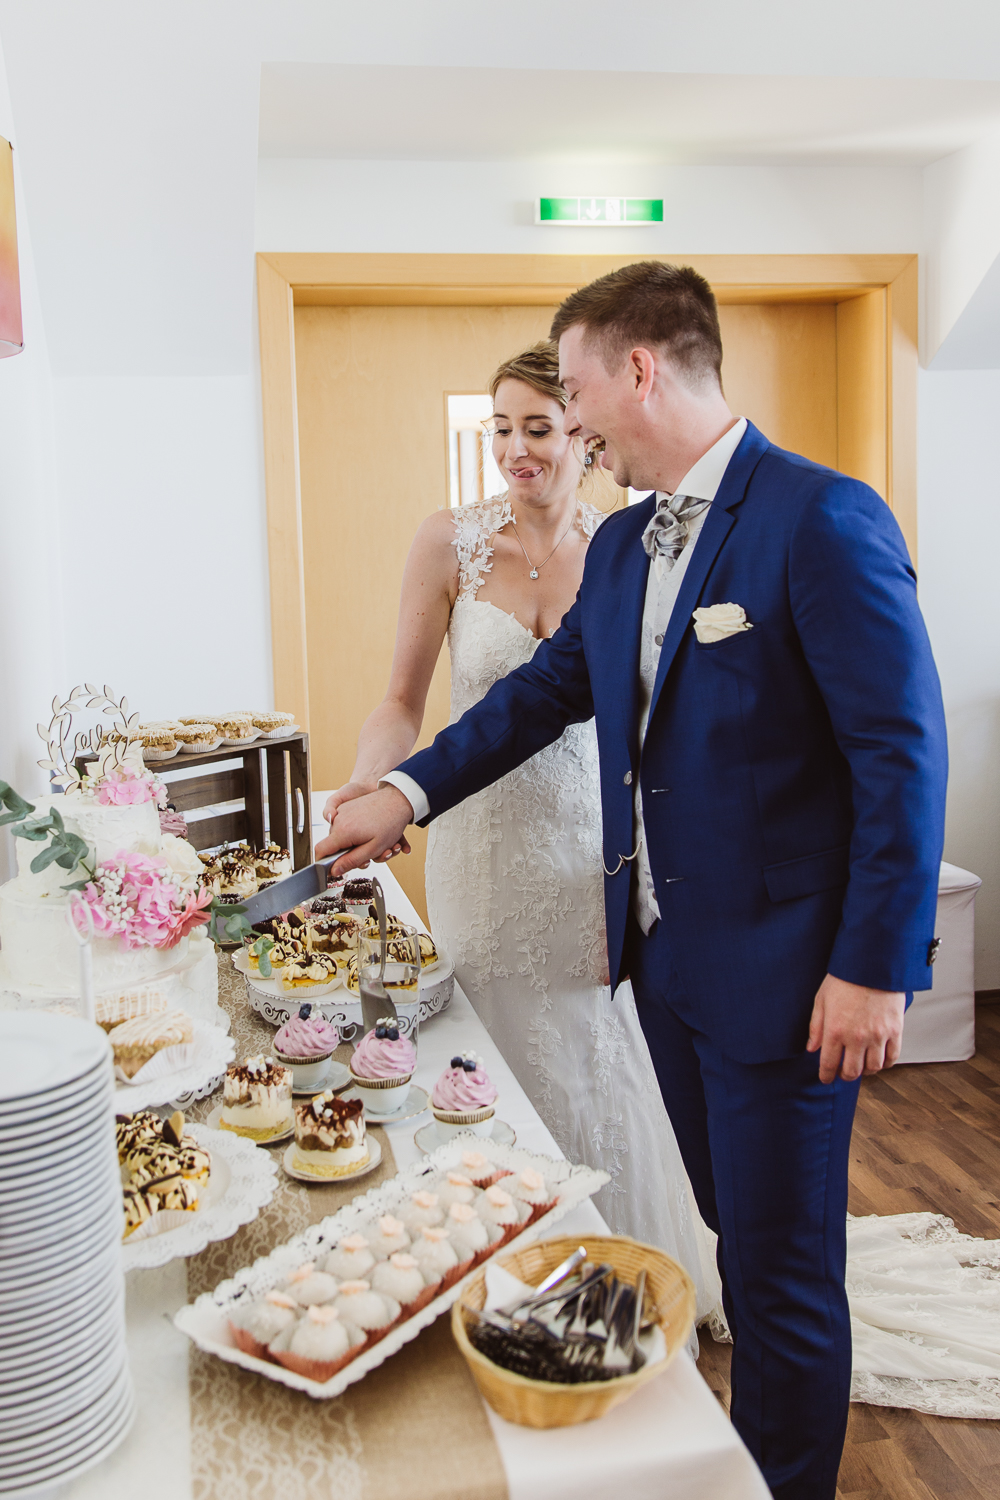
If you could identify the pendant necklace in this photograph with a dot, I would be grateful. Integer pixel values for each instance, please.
(534, 571)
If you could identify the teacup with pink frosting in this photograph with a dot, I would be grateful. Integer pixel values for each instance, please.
(382, 1066)
(305, 1044)
(464, 1097)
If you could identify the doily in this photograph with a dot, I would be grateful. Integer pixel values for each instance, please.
(214, 1052)
(206, 1323)
(244, 1179)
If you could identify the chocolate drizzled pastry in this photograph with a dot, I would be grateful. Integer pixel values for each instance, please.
(323, 906)
(327, 1122)
(258, 1070)
(359, 891)
(130, 1130)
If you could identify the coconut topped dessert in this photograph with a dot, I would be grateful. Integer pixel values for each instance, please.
(330, 1136)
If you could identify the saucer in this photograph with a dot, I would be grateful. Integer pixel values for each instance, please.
(415, 1103)
(214, 1122)
(338, 1076)
(374, 1157)
(428, 1140)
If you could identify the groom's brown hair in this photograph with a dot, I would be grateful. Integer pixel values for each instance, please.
(650, 304)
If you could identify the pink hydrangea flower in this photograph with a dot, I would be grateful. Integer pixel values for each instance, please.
(138, 897)
(123, 787)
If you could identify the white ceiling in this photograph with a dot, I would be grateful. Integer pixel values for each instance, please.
(362, 112)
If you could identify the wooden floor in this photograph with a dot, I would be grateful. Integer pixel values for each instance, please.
(926, 1137)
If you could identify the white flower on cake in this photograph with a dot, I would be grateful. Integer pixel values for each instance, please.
(182, 859)
(713, 622)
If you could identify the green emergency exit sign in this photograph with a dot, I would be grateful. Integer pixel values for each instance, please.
(600, 212)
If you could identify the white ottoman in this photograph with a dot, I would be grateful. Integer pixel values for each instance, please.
(941, 1022)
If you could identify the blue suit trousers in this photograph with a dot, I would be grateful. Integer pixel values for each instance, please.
(766, 1148)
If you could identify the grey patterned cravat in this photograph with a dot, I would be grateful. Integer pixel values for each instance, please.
(666, 534)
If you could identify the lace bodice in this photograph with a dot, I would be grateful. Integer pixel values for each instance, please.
(483, 649)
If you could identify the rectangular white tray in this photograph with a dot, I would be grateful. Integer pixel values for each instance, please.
(206, 1321)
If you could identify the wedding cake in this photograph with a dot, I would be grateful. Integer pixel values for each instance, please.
(93, 865)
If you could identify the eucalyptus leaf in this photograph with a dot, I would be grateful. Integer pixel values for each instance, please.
(45, 858)
(57, 821)
(38, 829)
(19, 808)
(77, 885)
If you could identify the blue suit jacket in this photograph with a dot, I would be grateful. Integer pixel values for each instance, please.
(793, 775)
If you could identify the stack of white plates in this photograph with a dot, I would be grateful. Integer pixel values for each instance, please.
(65, 1393)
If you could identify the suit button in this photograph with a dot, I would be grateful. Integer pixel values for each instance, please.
(933, 949)
(628, 778)
(658, 639)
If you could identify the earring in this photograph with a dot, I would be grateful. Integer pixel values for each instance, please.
(588, 460)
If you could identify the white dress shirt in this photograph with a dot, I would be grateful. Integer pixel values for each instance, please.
(701, 481)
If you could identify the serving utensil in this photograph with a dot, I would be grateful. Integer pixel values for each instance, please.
(375, 1003)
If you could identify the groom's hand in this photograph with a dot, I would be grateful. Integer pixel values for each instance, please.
(854, 1029)
(366, 828)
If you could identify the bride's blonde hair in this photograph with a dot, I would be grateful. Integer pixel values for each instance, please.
(537, 367)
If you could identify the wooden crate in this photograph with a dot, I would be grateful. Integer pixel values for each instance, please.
(269, 771)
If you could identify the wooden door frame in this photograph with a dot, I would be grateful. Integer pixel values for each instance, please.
(883, 370)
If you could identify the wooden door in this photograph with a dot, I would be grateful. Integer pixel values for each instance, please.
(372, 388)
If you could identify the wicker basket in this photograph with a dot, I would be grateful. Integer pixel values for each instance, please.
(542, 1403)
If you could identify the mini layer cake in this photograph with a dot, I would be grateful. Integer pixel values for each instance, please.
(273, 862)
(257, 1099)
(330, 1136)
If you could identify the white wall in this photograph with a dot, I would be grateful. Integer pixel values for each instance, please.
(961, 242)
(163, 534)
(959, 546)
(431, 206)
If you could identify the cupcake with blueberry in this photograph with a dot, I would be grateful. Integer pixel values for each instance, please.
(382, 1066)
(464, 1097)
(305, 1044)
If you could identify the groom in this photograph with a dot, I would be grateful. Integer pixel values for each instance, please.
(773, 768)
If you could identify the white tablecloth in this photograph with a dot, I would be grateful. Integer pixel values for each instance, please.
(672, 1438)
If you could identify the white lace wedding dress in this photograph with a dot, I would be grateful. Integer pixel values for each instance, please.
(515, 897)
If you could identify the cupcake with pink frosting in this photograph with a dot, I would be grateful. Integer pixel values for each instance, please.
(305, 1044)
(464, 1097)
(382, 1066)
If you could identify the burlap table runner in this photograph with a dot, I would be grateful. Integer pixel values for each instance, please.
(414, 1429)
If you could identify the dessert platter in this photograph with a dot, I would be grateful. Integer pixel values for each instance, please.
(162, 739)
(310, 951)
(337, 1300)
(184, 1186)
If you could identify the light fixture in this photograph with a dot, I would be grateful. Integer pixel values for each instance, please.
(599, 213)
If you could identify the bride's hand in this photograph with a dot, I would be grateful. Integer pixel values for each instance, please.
(345, 793)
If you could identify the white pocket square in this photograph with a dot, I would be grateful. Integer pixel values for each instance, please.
(715, 621)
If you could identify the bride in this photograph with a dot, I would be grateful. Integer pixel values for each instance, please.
(513, 874)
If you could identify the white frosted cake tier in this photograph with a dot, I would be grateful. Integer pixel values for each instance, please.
(106, 831)
(39, 948)
(190, 983)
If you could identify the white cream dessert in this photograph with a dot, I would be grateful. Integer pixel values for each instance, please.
(528, 1187)
(358, 1304)
(330, 1136)
(434, 1253)
(456, 1188)
(422, 1210)
(387, 1237)
(309, 1287)
(498, 1207)
(467, 1231)
(399, 1277)
(351, 1260)
(321, 1335)
(264, 1320)
(257, 1099)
